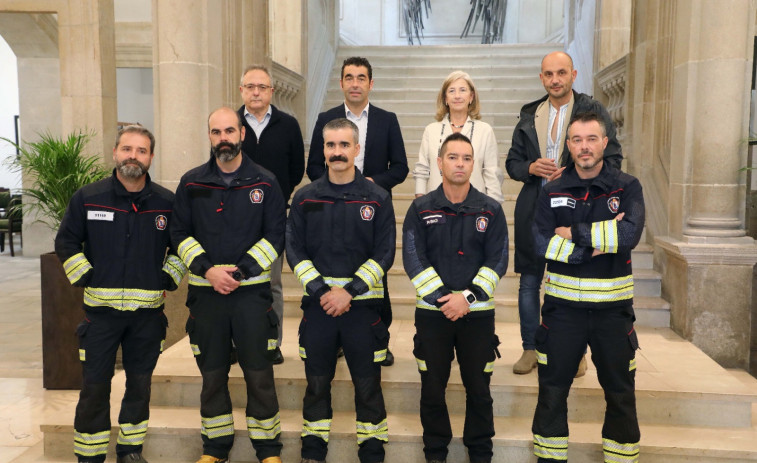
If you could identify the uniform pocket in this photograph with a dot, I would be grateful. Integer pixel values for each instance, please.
(273, 331)
(81, 333)
(489, 366)
(301, 336)
(190, 329)
(420, 357)
(542, 335)
(381, 335)
(633, 340)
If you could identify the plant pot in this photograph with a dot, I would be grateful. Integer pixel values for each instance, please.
(61, 313)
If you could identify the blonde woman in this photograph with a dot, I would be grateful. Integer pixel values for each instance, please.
(457, 111)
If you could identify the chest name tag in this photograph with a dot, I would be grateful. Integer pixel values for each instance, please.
(434, 219)
(564, 202)
(100, 215)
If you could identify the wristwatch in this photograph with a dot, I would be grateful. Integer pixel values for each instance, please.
(469, 296)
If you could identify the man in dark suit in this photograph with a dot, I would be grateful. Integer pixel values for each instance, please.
(382, 157)
(274, 141)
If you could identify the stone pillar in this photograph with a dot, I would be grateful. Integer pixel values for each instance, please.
(706, 259)
(188, 82)
(87, 44)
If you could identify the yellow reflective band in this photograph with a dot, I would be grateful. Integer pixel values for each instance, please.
(487, 279)
(366, 431)
(126, 299)
(195, 349)
(559, 249)
(189, 249)
(427, 282)
(196, 280)
(303, 355)
(162, 344)
(217, 426)
(421, 364)
(263, 253)
(273, 344)
(376, 292)
(91, 445)
(132, 434)
(370, 272)
(555, 448)
(489, 367)
(615, 452)
(379, 355)
(76, 266)
(541, 357)
(82, 355)
(478, 306)
(175, 268)
(305, 272)
(264, 429)
(319, 428)
(589, 289)
(632, 365)
(604, 236)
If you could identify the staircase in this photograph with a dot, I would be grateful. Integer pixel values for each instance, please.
(690, 409)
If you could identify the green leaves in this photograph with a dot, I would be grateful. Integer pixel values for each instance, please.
(56, 168)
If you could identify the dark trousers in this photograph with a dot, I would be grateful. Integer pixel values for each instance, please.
(437, 340)
(140, 335)
(246, 318)
(363, 336)
(386, 307)
(561, 341)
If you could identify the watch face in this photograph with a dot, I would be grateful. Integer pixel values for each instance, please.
(470, 298)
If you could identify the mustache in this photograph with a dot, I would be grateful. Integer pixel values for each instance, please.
(337, 158)
(225, 144)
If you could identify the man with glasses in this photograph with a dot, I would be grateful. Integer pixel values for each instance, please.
(273, 140)
(381, 159)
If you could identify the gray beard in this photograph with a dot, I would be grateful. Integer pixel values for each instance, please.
(226, 156)
(131, 170)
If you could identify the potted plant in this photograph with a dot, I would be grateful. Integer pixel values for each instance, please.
(56, 168)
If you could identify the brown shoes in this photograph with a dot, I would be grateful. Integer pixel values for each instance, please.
(525, 363)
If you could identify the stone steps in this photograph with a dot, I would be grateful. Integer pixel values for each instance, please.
(690, 409)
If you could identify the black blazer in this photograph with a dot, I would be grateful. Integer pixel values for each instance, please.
(385, 159)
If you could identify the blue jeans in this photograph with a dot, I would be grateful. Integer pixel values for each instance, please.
(529, 303)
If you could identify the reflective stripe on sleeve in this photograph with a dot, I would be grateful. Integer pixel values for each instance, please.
(604, 236)
(559, 249)
(189, 249)
(487, 280)
(263, 253)
(76, 266)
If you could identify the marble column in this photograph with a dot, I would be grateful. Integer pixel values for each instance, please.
(706, 258)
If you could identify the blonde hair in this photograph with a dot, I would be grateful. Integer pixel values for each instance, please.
(441, 108)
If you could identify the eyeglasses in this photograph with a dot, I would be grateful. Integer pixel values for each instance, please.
(260, 87)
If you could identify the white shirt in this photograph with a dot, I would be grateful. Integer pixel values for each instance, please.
(256, 126)
(361, 122)
(554, 147)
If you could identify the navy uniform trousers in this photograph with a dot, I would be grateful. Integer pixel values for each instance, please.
(437, 340)
(245, 317)
(140, 334)
(363, 336)
(561, 341)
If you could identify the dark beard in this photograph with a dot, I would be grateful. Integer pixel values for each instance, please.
(226, 155)
(131, 168)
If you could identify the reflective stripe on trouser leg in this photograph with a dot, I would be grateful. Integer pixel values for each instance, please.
(217, 426)
(264, 429)
(367, 431)
(553, 448)
(319, 429)
(91, 445)
(615, 452)
(132, 434)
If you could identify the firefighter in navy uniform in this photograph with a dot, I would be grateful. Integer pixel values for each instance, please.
(229, 224)
(340, 244)
(586, 225)
(113, 241)
(454, 247)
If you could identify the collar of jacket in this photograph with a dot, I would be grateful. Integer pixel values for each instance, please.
(604, 180)
(357, 188)
(248, 170)
(474, 201)
(121, 191)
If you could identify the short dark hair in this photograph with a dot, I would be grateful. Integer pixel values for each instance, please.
(136, 128)
(342, 123)
(358, 61)
(457, 136)
(588, 116)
